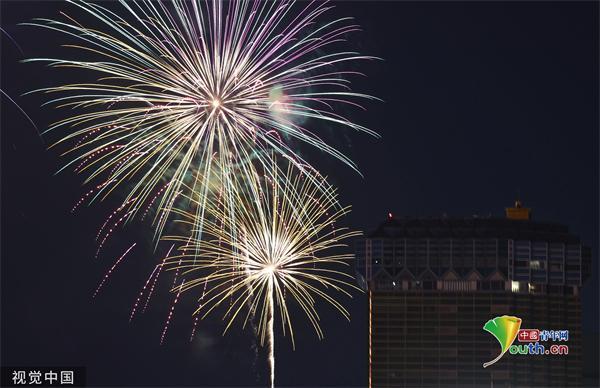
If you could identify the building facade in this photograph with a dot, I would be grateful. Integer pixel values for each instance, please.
(434, 283)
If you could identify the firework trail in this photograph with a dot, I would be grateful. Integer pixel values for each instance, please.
(279, 250)
(110, 271)
(3, 93)
(271, 333)
(184, 85)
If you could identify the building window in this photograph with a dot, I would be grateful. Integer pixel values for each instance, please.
(458, 285)
(554, 289)
(538, 264)
(497, 285)
(556, 267)
(445, 308)
(499, 308)
(515, 286)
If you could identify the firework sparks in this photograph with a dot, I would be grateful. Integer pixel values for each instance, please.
(160, 267)
(279, 250)
(110, 271)
(192, 104)
(170, 316)
(183, 85)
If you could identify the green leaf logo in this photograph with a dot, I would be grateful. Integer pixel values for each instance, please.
(505, 329)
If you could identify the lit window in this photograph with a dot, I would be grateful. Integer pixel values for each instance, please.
(515, 286)
(537, 264)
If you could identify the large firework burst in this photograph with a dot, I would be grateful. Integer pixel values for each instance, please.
(186, 84)
(282, 248)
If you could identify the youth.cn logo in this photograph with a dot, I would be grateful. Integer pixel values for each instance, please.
(505, 329)
(508, 328)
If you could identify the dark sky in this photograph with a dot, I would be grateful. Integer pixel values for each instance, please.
(481, 101)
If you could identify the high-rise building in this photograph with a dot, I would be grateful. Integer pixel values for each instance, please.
(433, 284)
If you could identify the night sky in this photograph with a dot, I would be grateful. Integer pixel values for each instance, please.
(482, 102)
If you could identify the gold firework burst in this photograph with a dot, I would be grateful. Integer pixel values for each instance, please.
(278, 246)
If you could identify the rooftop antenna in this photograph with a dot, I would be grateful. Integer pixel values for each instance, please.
(518, 212)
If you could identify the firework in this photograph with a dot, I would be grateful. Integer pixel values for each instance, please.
(277, 248)
(184, 85)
